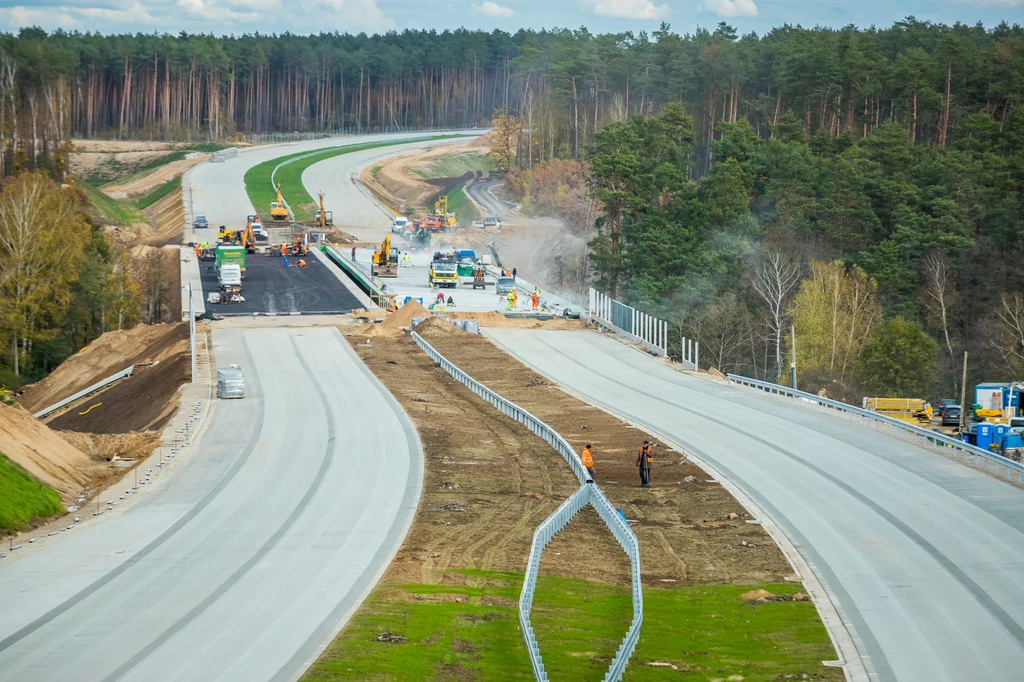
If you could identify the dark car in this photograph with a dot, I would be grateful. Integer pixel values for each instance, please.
(944, 403)
(951, 415)
(200, 222)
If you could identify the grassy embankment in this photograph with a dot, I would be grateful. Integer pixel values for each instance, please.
(455, 166)
(127, 211)
(261, 192)
(23, 500)
(472, 632)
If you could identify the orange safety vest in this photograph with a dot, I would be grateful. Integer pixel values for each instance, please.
(647, 450)
(588, 461)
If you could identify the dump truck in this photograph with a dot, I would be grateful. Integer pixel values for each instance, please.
(443, 273)
(910, 410)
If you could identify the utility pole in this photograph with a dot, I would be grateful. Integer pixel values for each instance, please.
(963, 394)
(792, 362)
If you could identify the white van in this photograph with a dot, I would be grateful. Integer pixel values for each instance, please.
(400, 225)
(230, 275)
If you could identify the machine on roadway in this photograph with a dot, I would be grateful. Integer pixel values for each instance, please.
(443, 273)
(277, 208)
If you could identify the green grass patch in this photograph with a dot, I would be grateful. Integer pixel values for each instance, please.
(23, 499)
(457, 165)
(110, 210)
(159, 193)
(459, 204)
(261, 192)
(472, 632)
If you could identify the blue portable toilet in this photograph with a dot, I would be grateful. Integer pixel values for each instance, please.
(984, 435)
(999, 430)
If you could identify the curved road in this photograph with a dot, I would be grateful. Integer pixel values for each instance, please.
(245, 562)
(923, 556)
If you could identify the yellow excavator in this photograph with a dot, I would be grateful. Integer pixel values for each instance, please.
(385, 260)
(248, 239)
(277, 208)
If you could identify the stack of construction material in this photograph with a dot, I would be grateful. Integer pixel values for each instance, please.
(230, 383)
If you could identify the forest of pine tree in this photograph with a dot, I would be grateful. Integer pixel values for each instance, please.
(562, 84)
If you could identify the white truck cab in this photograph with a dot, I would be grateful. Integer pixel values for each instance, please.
(400, 224)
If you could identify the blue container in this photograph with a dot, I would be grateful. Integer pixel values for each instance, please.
(985, 436)
(1000, 431)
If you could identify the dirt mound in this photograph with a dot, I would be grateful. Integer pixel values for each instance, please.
(403, 316)
(44, 454)
(142, 402)
(494, 319)
(435, 327)
(375, 330)
(755, 595)
(106, 355)
(107, 447)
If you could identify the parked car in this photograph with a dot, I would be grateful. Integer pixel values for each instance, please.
(479, 224)
(943, 403)
(492, 221)
(504, 285)
(951, 415)
(200, 223)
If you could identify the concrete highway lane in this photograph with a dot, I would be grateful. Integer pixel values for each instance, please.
(923, 556)
(243, 564)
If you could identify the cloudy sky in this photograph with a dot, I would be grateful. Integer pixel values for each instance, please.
(310, 16)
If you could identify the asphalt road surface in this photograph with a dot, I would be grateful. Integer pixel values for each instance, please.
(271, 288)
(242, 564)
(923, 556)
(481, 193)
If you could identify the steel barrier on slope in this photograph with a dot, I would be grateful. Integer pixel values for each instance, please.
(587, 493)
(127, 372)
(919, 436)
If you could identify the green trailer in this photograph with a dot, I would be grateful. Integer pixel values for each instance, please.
(231, 254)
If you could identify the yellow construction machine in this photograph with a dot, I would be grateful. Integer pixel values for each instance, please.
(248, 239)
(448, 221)
(385, 260)
(324, 219)
(911, 410)
(277, 208)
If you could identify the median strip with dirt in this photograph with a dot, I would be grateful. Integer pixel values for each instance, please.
(447, 606)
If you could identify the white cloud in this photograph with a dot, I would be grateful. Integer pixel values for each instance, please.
(493, 9)
(197, 16)
(731, 8)
(628, 9)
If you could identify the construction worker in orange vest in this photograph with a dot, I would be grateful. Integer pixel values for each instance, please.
(588, 461)
(643, 460)
(533, 299)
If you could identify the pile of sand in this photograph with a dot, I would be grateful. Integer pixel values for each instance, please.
(103, 447)
(435, 327)
(45, 455)
(375, 330)
(403, 316)
(106, 355)
(495, 319)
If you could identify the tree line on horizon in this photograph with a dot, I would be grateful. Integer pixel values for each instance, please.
(563, 85)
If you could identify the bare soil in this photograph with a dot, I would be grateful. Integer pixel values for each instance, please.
(682, 521)
(143, 402)
(44, 454)
(399, 187)
(136, 188)
(106, 355)
(488, 482)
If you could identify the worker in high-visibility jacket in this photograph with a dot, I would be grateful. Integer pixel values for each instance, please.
(588, 461)
(643, 461)
(510, 299)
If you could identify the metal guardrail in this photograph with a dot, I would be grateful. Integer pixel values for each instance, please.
(644, 329)
(918, 435)
(588, 493)
(127, 372)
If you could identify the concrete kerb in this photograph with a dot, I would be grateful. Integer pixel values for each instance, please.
(345, 280)
(838, 626)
